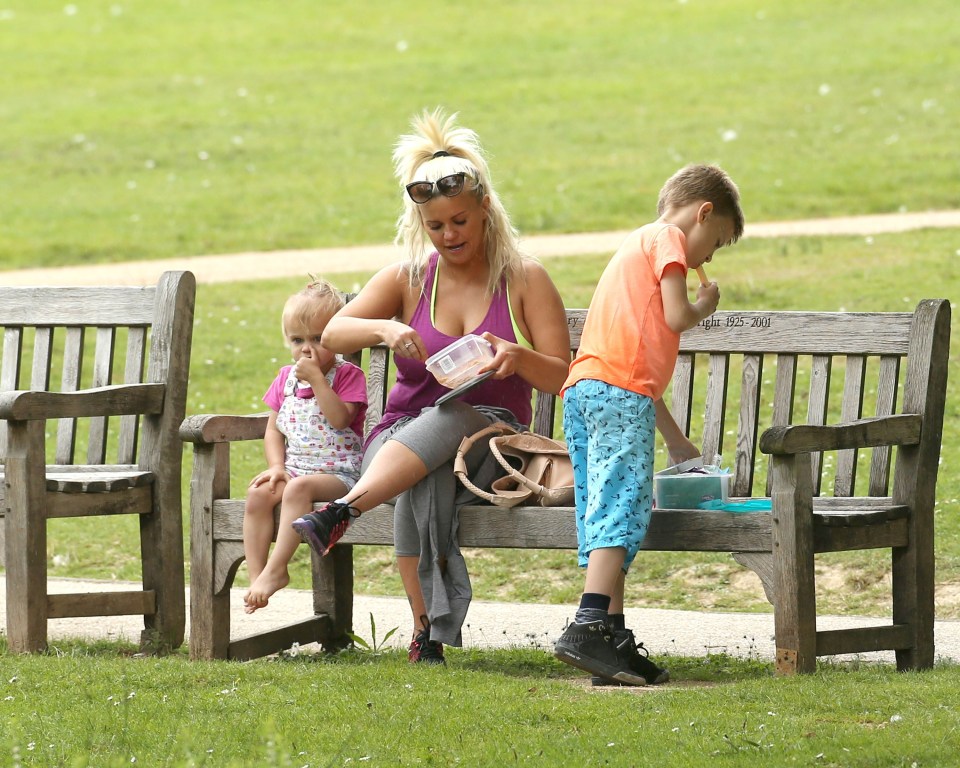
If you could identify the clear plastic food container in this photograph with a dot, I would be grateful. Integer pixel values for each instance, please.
(459, 362)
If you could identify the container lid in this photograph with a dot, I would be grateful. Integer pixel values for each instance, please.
(452, 347)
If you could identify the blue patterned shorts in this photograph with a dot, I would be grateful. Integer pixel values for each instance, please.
(610, 433)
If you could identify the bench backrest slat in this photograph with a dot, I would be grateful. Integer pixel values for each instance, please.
(681, 404)
(42, 351)
(378, 378)
(851, 409)
(9, 372)
(714, 418)
(133, 369)
(70, 382)
(102, 376)
(784, 390)
(747, 425)
(887, 390)
(817, 405)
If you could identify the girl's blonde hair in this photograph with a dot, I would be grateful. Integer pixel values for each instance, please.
(438, 148)
(318, 298)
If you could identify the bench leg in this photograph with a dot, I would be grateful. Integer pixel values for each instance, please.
(161, 547)
(209, 607)
(795, 613)
(333, 593)
(26, 538)
(210, 602)
(914, 571)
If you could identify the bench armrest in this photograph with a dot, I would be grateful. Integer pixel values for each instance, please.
(902, 429)
(223, 428)
(113, 400)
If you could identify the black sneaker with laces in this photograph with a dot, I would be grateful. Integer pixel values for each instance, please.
(590, 647)
(321, 530)
(423, 650)
(635, 656)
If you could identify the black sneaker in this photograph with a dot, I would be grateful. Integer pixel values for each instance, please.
(321, 530)
(635, 656)
(590, 647)
(423, 650)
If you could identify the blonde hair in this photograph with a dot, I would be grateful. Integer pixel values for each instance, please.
(435, 149)
(318, 298)
(710, 183)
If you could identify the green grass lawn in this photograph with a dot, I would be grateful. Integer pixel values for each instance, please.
(89, 706)
(150, 128)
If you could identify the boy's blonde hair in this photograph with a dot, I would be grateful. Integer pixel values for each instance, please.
(319, 297)
(435, 149)
(709, 183)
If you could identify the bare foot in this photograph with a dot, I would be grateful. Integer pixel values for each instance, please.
(263, 587)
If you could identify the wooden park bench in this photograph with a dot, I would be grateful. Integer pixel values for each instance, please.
(75, 444)
(798, 385)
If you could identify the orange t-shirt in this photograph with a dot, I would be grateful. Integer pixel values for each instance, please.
(626, 341)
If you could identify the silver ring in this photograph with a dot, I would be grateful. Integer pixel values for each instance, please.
(408, 344)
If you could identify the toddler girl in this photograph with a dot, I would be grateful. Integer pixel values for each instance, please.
(313, 440)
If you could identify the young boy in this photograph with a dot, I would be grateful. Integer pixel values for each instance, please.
(612, 405)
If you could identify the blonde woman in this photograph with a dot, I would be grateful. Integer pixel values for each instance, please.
(463, 273)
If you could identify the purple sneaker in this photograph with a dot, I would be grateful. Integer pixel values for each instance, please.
(321, 530)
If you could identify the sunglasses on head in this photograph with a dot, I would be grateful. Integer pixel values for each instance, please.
(448, 186)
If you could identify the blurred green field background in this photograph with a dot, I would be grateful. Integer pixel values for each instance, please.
(156, 128)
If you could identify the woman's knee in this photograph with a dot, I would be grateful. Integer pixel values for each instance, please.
(435, 435)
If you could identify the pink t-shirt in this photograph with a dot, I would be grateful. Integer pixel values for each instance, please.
(349, 383)
(626, 341)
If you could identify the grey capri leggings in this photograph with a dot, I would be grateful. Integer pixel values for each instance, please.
(435, 436)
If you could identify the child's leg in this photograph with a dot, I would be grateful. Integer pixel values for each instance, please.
(298, 498)
(608, 431)
(616, 599)
(605, 573)
(258, 525)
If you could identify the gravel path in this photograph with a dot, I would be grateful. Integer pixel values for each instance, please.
(251, 266)
(491, 625)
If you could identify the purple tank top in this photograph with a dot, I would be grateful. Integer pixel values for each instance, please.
(416, 388)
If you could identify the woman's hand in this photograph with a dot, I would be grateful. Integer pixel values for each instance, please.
(403, 340)
(505, 356)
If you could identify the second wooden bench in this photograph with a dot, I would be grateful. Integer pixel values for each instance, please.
(894, 364)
